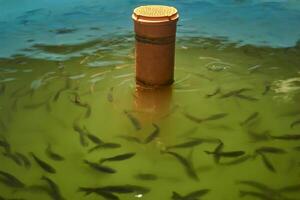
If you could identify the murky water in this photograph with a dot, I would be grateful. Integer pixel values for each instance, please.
(229, 127)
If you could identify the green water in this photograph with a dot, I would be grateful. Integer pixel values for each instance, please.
(33, 115)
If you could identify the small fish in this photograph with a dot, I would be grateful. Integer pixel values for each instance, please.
(297, 122)
(107, 145)
(146, 177)
(263, 136)
(267, 163)
(238, 160)
(82, 134)
(190, 196)
(217, 91)
(52, 155)
(133, 120)
(78, 102)
(100, 168)
(53, 190)
(252, 117)
(92, 137)
(13, 157)
(287, 137)
(186, 164)
(153, 135)
(125, 189)
(210, 118)
(10, 180)
(5, 145)
(188, 144)
(267, 89)
(216, 117)
(105, 195)
(290, 189)
(130, 138)
(260, 186)
(273, 150)
(216, 152)
(24, 159)
(234, 92)
(45, 166)
(249, 98)
(229, 154)
(57, 94)
(110, 97)
(120, 157)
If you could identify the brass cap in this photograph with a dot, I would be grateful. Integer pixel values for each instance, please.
(155, 13)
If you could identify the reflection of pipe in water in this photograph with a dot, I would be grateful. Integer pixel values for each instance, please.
(152, 104)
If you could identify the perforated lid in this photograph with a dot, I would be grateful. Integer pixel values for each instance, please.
(155, 13)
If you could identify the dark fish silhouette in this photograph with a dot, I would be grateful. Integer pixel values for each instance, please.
(186, 164)
(188, 144)
(120, 157)
(125, 189)
(130, 138)
(257, 137)
(216, 152)
(78, 102)
(109, 191)
(10, 180)
(210, 118)
(135, 122)
(99, 167)
(53, 189)
(66, 87)
(238, 160)
(105, 195)
(13, 157)
(267, 163)
(146, 177)
(82, 134)
(190, 196)
(290, 189)
(91, 137)
(234, 92)
(287, 137)
(267, 89)
(5, 145)
(24, 159)
(252, 117)
(107, 145)
(153, 135)
(249, 98)
(267, 149)
(45, 166)
(295, 123)
(257, 185)
(52, 155)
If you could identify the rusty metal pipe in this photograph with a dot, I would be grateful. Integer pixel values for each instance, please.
(155, 34)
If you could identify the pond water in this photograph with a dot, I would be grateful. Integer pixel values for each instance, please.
(73, 124)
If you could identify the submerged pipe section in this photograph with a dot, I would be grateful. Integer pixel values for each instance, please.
(155, 35)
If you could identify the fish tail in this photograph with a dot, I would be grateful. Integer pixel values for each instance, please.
(209, 152)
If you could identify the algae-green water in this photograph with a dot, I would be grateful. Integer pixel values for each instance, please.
(74, 125)
(38, 108)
